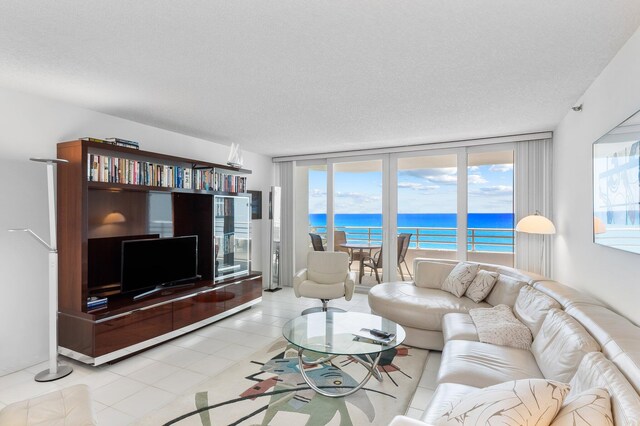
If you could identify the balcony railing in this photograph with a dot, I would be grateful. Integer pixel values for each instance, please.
(500, 240)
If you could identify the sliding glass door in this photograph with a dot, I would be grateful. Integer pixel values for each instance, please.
(389, 209)
(358, 215)
(490, 209)
(427, 209)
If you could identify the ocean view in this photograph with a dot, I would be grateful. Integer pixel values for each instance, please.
(497, 238)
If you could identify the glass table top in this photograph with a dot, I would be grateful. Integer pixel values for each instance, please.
(332, 332)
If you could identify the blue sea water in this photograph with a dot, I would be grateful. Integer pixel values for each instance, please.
(500, 225)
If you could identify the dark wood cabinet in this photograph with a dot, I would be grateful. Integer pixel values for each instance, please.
(150, 195)
(199, 307)
(131, 328)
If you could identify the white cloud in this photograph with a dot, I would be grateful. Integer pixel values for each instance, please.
(443, 175)
(315, 192)
(497, 189)
(476, 179)
(501, 167)
(474, 168)
(417, 186)
(444, 179)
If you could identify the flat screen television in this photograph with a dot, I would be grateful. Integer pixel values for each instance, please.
(158, 263)
(105, 261)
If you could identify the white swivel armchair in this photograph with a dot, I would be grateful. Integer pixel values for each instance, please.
(326, 277)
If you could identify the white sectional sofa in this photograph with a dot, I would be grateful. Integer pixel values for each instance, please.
(576, 339)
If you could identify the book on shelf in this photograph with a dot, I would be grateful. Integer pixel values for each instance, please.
(105, 168)
(96, 140)
(365, 335)
(123, 142)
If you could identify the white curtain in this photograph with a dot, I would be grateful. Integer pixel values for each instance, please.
(533, 193)
(285, 180)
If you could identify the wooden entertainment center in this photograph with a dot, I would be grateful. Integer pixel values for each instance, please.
(107, 193)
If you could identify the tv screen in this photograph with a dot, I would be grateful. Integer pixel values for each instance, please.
(105, 259)
(159, 261)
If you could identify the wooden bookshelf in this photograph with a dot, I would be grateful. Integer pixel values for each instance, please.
(124, 325)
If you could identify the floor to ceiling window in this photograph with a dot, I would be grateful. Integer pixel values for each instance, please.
(317, 205)
(490, 220)
(427, 208)
(451, 204)
(358, 215)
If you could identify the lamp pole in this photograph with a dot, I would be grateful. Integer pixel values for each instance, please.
(55, 371)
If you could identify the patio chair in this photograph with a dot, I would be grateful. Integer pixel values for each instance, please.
(403, 246)
(316, 241)
(374, 263)
(340, 237)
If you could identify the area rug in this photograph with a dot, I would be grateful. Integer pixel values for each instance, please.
(268, 389)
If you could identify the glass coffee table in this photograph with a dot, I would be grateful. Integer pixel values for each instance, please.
(331, 334)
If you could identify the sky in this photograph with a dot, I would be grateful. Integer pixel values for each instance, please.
(431, 190)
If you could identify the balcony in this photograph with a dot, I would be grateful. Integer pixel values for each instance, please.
(486, 245)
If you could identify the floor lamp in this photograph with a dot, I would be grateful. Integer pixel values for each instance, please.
(55, 371)
(537, 224)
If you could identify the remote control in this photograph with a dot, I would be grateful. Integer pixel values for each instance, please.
(380, 333)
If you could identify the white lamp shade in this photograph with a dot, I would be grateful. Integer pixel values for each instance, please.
(536, 224)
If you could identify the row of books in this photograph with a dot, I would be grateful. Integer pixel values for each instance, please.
(216, 181)
(102, 168)
(114, 141)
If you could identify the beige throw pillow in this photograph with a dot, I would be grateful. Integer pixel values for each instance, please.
(481, 285)
(519, 402)
(589, 408)
(460, 278)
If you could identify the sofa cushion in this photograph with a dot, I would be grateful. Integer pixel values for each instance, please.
(532, 306)
(68, 406)
(457, 326)
(430, 274)
(597, 371)
(618, 337)
(481, 364)
(513, 403)
(416, 307)
(505, 291)
(481, 285)
(560, 345)
(443, 399)
(460, 278)
(563, 294)
(591, 407)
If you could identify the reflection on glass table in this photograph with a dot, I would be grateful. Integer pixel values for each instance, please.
(335, 333)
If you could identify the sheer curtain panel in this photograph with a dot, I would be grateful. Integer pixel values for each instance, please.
(285, 180)
(533, 193)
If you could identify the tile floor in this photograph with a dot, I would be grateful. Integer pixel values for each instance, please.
(130, 389)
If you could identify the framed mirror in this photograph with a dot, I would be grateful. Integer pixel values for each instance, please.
(616, 187)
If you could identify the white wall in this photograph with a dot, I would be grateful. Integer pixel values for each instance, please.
(611, 275)
(30, 127)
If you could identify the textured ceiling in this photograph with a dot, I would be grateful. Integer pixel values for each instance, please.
(289, 77)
